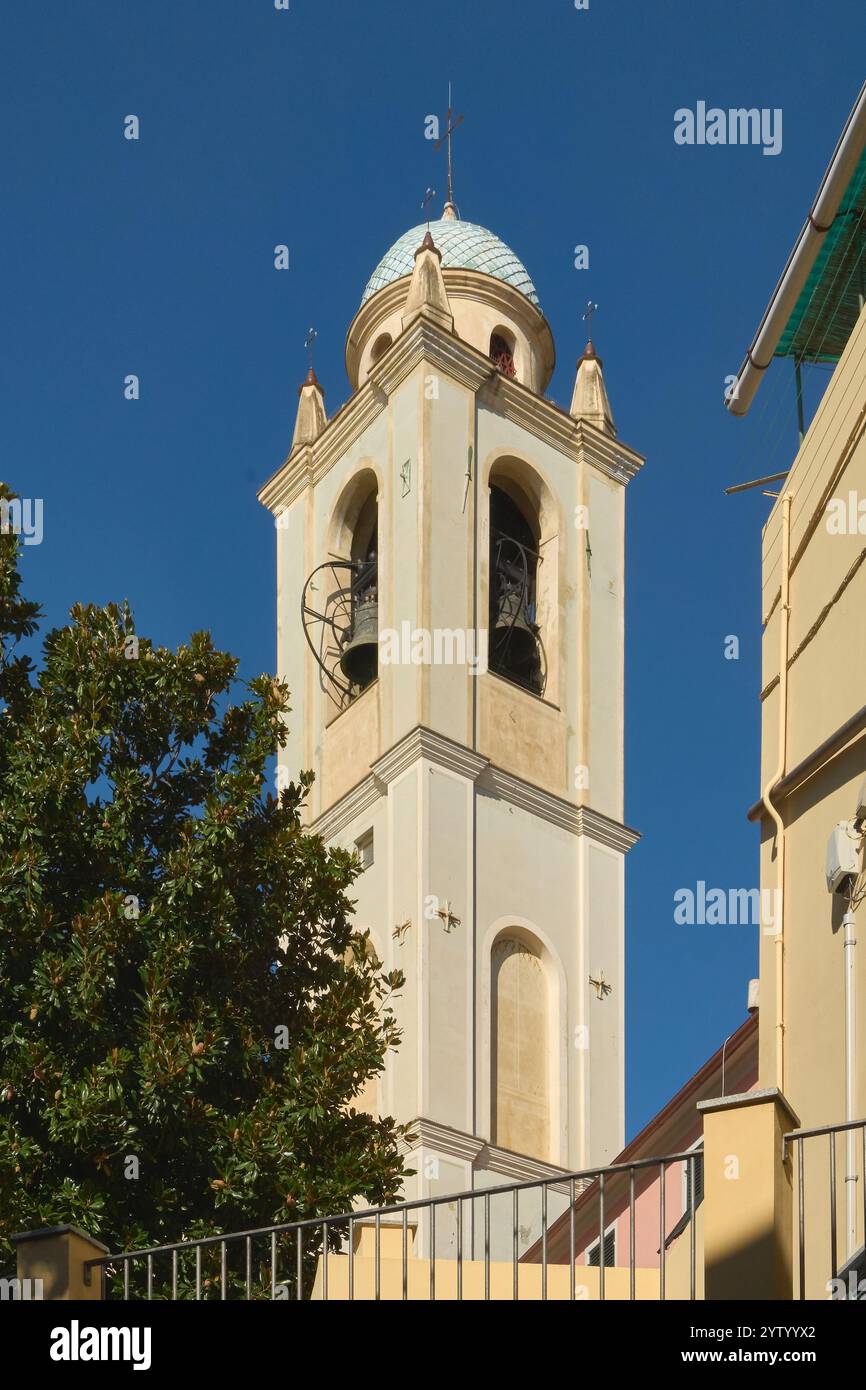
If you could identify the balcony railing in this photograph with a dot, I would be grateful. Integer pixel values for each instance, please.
(517, 1240)
(823, 1205)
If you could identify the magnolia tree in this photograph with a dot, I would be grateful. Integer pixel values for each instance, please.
(187, 1016)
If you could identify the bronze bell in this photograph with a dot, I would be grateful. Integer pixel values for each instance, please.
(514, 636)
(359, 658)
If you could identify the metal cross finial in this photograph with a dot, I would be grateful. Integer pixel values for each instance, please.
(309, 344)
(449, 921)
(427, 200)
(450, 127)
(587, 314)
(600, 985)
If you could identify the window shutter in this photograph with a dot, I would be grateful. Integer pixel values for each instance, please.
(593, 1256)
(697, 1167)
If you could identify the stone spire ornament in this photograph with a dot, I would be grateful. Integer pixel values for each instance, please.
(589, 401)
(311, 418)
(427, 297)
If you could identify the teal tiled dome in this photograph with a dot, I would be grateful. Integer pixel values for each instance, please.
(463, 245)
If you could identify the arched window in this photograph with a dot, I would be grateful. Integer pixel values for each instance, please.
(520, 1049)
(360, 637)
(502, 352)
(340, 600)
(515, 648)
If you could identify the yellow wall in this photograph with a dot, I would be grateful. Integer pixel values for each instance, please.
(826, 686)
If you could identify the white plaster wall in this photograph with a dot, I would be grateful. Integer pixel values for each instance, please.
(564, 890)
(605, 1017)
(606, 646)
(449, 431)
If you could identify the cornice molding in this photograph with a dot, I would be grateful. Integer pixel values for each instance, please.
(426, 341)
(519, 1167)
(436, 748)
(578, 820)
(606, 453)
(348, 424)
(310, 462)
(430, 1134)
(530, 798)
(555, 427)
(289, 481)
(354, 803)
(605, 830)
(444, 752)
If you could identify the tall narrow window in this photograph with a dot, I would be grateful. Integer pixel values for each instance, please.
(515, 648)
(696, 1168)
(340, 599)
(360, 637)
(521, 1119)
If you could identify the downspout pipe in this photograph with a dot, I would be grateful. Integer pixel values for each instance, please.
(779, 920)
(850, 1082)
(801, 260)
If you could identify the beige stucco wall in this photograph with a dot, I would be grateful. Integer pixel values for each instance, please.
(827, 685)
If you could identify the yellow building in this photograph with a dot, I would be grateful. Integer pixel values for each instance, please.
(813, 762)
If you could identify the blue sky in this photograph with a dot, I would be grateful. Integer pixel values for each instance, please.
(261, 127)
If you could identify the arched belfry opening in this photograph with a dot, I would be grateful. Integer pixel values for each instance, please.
(516, 651)
(360, 640)
(340, 602)
(502, 352)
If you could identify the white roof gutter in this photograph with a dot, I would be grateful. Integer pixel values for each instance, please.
(802, 258)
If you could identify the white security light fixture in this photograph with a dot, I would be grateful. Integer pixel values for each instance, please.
(842, 857)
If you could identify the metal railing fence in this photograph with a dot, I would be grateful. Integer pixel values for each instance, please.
(481, 1226)
(817, 1224)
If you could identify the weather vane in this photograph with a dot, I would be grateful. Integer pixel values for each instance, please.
(588, 313)
(428, 198)
(450, 127)
(309, 344)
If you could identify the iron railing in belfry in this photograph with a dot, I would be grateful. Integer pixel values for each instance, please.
(852, 1178)
(296, 1248)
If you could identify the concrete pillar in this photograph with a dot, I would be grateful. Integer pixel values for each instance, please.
(748, 1197)
(56, 1255)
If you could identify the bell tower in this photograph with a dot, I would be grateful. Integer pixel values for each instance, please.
(450, 624)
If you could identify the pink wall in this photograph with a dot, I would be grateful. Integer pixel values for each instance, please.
(647, 1218)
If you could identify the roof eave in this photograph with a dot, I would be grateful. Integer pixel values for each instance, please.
(777, 315)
